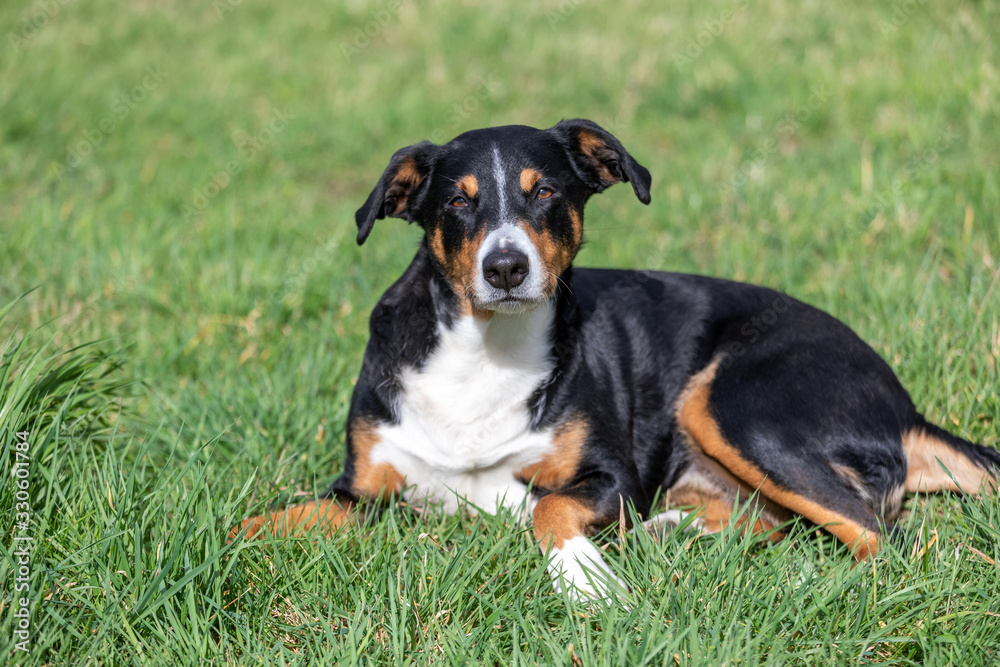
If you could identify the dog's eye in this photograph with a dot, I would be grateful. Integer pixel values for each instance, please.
(544, 193)
(459, 202)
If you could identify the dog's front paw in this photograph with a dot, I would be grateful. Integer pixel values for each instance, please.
(249, 528)
(325, 516)
(579, 570)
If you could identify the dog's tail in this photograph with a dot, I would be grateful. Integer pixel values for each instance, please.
(938, 460)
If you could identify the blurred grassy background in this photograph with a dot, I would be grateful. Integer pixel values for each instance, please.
(181, 178)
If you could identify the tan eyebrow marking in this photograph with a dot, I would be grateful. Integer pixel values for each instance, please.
(469, 185)
(529, 179)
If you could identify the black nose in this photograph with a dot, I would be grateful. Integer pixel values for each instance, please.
(505, 269)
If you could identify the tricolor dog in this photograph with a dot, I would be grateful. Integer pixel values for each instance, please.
(497, 374)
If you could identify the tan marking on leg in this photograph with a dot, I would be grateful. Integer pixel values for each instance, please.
(716, 496)
(529, 179)
(372, 481)
(926, 453)
(696, 418)
(469, 185)
(711, 509)
(560, 465)
(296, 520)
(557, 519)
(702, 378)
(723, 513)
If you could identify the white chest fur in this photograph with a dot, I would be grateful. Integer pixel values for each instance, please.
(464, 426)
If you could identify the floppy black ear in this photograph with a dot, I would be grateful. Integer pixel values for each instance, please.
(397, 192)
(601, 159)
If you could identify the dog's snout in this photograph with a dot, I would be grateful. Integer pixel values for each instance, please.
(505, 269)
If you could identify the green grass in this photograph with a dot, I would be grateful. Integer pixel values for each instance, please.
(178, 181)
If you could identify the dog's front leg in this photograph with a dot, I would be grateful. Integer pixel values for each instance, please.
(325, 516)
(372, 483)
(561, 524)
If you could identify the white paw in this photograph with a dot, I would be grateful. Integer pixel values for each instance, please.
(580, 571)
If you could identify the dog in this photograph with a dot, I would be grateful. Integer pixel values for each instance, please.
(498, 375)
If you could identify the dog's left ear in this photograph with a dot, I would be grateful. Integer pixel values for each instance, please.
(600, 158)
(398, 191)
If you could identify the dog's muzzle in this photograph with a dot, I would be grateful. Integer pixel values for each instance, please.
(510, 271)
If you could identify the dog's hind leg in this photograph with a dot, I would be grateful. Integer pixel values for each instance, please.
(718, 498)
(835, 470)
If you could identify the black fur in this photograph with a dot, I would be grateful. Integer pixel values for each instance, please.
(796, 391)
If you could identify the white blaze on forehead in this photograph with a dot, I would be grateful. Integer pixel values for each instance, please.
(501, 183)
(508, 235)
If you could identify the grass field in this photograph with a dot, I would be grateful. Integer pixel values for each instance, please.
(185, 309)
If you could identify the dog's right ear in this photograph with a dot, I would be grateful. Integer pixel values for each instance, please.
(398, 191)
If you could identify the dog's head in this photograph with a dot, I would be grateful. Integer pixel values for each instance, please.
(502, 208)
